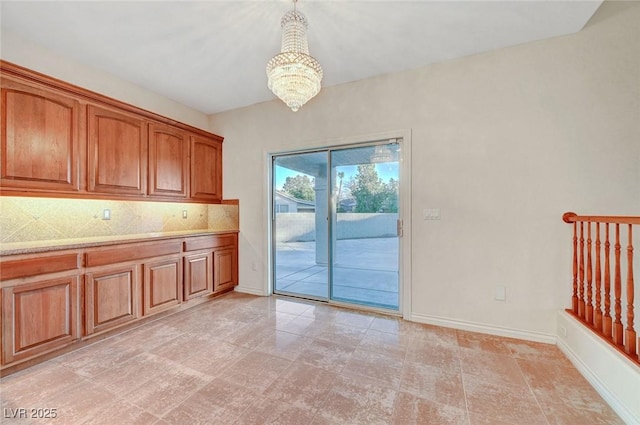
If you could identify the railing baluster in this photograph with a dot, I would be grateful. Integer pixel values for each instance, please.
(598, 293)
(574, 296)
(581, 268)
(589, 307)
(630, 334)
(597, 323)
(617, 324)
(606, 323)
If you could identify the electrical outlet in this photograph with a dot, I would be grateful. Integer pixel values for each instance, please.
(563, 330)
(106, 214)
(184, 213)
(254, 267)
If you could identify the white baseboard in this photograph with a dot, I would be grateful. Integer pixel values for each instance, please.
(251, 291)
(623, 399)
(483, 328)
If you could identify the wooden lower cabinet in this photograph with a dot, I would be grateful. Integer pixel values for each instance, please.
(110, 298)
(225, 267)
(39, 317)
(162, 285)
(198, 275)
(53, 300)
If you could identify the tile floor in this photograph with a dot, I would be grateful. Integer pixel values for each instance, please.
(254, 360)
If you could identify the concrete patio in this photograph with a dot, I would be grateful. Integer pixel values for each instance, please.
(365, 271)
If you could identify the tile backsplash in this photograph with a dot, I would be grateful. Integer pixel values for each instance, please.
(25, 219)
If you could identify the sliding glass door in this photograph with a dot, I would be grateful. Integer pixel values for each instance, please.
(335, 224)
(364, 233)
(300, 228)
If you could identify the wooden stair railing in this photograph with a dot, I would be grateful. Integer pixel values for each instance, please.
(592, 298)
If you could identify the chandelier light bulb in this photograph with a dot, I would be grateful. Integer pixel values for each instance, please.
(293, 75)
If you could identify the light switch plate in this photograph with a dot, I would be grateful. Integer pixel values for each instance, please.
(431, 214)
(106, 214)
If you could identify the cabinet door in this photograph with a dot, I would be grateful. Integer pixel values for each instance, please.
(117, 153)
(168, 161)
(39, 317)
(225, 269)
(206, 169)
(39, 139)
(110, 298)
(198, 275)
(162, 285)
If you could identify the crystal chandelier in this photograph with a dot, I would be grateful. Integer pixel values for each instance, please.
(293, 75)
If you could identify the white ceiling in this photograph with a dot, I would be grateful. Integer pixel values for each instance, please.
(211, 55)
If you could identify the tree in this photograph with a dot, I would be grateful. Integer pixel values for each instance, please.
(300, 187)
(367, 189)
(390, 203)
(372, 195)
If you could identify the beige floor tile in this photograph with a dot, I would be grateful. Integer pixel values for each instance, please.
(120, 412)
(492, 368)
(502, 402)
(75, 404)
(381, 367)
(432, 353)
(354, 319)
(97, 358)
(126, 376)
(482, 342)
(168, 389)
(340, 333)
(393, 325)
(284, 344)
(412, 410)
(267, 411)
(303, 386)
(147, 336)
(256, 371)
(435, 334)
(29, 388)
(326, 355)
(215, 358)
(562, 414)
(393, 344)
(183, 346)
(304, 326)
(220, 401)
(269, 360)
(357, 401)
(433, 383)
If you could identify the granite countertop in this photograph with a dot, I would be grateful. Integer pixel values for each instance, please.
(32, 247)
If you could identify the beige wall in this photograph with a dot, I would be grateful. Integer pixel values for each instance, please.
(22, 52)
(503, 143)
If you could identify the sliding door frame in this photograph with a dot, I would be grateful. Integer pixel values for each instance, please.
(404, 212)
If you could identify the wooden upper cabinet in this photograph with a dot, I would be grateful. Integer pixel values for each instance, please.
(168, 161)
(117, 152)
(206, 169)
(60, 140)
(39, 139)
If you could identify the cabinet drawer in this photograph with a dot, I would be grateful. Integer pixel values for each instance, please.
(207, 242)
(132, 252)
(37, 266)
